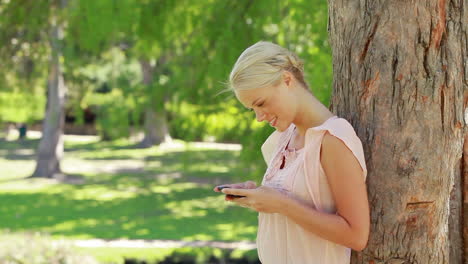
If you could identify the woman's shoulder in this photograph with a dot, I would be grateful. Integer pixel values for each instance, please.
(341, 129)
(336, 126)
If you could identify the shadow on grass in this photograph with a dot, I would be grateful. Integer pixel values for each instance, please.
(179, 214)
(18, 150)
(98, 145)
(19, 144)
(168, 197)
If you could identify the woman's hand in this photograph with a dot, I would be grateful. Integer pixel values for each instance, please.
(262, 199)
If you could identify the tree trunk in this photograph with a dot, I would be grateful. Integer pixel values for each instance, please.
(155, 126)
(156, 129)
(401, 79)
(50, 149)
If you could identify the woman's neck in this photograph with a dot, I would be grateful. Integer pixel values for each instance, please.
(311, 113)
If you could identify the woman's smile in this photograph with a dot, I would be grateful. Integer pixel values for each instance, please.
(273, 122)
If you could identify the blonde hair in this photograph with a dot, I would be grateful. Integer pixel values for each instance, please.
(262, 64)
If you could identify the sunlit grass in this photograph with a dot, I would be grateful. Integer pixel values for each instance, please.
(116, 190)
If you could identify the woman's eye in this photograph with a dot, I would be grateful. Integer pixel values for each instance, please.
(260, 104)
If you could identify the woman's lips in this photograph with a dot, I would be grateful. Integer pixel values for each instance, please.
(273, 122)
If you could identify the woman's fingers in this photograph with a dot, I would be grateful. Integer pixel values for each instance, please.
(234, 191)
(216, 189)
(242, 185)
(250, 185)
(237, 185)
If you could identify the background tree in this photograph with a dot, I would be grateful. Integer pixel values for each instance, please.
(400, 77)
(50, 149)
(39, 24)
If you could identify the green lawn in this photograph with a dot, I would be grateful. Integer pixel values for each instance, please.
(115, 190)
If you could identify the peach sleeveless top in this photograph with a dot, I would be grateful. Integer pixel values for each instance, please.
(301, 176)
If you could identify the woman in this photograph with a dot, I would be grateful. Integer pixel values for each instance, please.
(312, 202)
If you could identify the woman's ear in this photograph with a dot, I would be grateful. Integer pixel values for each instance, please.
(287, 78)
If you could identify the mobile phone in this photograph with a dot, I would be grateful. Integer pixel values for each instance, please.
(230, 195)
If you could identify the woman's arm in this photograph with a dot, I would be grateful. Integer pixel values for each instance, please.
(350, 225)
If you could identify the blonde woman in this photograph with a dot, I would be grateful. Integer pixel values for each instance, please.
(312, 202)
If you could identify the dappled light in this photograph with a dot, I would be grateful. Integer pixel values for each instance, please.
(169, 197)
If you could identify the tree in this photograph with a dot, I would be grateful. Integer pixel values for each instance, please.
(50, 149)
(45, 26)
(400, 77)
(155, 122)
(32, 31)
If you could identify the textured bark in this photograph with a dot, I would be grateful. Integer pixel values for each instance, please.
(155, 126)
(401, 79)
(50, 149)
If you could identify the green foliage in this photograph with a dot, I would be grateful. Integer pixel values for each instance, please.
(94, 26)
(113, 114)
(20, 107)
(114, 93)
(23, 49)
(221, 123)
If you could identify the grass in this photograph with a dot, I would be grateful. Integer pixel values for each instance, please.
(115, 190)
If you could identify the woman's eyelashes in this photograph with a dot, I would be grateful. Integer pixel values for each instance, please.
(258, 105)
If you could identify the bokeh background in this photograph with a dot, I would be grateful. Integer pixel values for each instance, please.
(134, 70)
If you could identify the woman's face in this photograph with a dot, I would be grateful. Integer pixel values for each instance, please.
(275, 105)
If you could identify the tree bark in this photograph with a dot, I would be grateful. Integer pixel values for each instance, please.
(50, 149)
(401, 79)
(156, 129)
(155, 123)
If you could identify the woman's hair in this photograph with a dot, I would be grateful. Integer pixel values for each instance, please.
(262, 64)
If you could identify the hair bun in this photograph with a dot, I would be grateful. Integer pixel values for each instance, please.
(296, 62)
